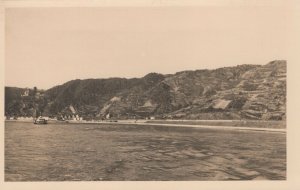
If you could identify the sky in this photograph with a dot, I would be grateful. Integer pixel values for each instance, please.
(45, 47)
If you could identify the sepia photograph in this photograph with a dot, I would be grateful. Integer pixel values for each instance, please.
(145, 93)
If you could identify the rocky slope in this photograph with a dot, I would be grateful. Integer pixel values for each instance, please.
(241, 92)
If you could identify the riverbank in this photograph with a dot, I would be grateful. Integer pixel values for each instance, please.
(222, 127)
(270, 126)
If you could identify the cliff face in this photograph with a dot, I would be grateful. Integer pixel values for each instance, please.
(241, 92)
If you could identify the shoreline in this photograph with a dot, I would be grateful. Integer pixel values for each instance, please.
(156, 123)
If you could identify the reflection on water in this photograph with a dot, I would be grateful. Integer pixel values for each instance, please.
(85, 152)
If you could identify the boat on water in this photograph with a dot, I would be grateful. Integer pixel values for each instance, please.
(40, 120)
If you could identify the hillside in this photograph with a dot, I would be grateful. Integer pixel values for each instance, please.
(241, 92)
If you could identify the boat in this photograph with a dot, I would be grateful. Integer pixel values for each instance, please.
(40, 120)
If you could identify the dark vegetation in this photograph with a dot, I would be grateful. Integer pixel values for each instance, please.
(255, 92)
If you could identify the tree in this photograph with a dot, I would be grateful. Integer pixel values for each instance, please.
(34, 90)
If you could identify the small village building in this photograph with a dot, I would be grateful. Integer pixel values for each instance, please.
(26, 92)
(37, 95)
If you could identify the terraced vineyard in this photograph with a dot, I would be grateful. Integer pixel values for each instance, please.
(256, 92)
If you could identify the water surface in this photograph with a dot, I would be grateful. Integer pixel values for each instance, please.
(94, 152)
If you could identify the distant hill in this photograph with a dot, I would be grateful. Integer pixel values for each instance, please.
(241, 92)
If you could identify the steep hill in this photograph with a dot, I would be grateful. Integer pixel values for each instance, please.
(241, 92)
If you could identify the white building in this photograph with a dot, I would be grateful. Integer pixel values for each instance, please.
(26, 92)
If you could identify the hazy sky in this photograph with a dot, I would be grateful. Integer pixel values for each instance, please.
(49, 46)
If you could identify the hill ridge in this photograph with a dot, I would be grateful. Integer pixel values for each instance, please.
(240, 92)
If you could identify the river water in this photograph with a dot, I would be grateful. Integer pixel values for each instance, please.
(112, 152)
